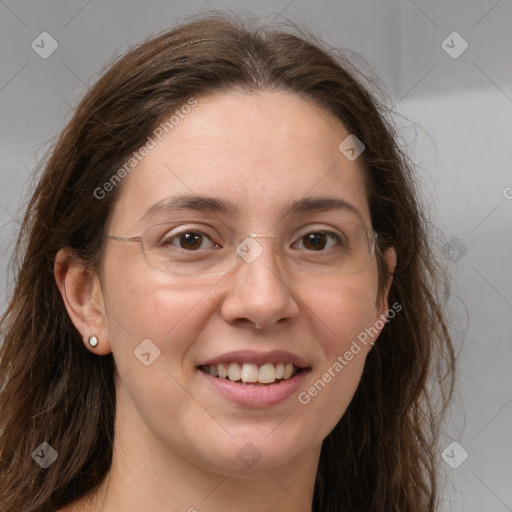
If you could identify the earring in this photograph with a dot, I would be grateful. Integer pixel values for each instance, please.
(93, 341)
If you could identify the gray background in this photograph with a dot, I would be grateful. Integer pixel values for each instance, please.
(455, 118)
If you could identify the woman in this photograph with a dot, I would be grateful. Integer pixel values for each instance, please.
(226, 297)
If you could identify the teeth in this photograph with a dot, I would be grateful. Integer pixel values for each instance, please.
(279, 370)
(221, 370)
(249, 372)
(252, 373)
(234, 372)
(267, 373)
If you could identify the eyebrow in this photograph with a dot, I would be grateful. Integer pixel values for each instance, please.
(225, 207)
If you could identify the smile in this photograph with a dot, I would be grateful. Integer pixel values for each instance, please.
(255, 379)
(250, 373)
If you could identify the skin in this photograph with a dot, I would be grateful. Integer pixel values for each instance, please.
(176, 438)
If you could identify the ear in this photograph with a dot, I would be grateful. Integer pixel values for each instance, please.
(81, 291)
(390, 258)
(382, 306)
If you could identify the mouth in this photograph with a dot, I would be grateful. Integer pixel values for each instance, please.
(254, 379)
(252, 374)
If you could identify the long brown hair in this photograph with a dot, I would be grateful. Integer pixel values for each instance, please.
(382, 454)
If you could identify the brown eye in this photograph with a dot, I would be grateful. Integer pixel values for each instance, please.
(189, 241)
(318, 241)
(314, 241)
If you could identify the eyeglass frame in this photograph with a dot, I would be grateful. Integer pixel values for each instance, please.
(371, 239)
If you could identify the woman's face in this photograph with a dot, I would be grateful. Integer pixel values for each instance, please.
(262, 153)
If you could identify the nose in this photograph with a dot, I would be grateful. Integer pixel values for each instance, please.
(258, 292)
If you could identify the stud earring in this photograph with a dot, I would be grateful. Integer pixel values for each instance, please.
(93, 341)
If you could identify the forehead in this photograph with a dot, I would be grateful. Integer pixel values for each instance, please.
(259, 151)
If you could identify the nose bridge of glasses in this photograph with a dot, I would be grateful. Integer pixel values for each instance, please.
(257, 235)
(250, 249)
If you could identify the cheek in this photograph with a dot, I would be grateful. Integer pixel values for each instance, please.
(142, 305)
(345, 307)
(345, 312)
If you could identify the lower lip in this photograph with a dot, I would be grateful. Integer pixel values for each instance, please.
(256, 396)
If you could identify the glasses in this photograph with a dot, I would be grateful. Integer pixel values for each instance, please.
(199, 247)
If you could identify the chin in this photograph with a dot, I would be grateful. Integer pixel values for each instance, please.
(258, 449)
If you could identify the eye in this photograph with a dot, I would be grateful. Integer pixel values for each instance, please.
(318, 241)
(189, 241)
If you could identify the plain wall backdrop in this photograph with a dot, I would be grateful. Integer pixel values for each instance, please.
(448, 69)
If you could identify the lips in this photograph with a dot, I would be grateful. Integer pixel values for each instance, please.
(255, 378)
(259, 358)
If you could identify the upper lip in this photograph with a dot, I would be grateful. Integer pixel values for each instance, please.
(250, 356)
